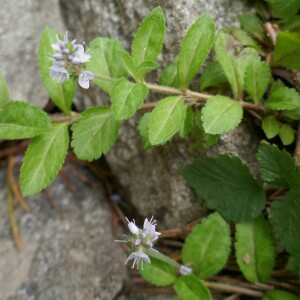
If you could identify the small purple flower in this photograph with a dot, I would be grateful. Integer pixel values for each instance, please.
(80, 56)
(84, 79)
(184, 270)
(132, 227)
(137, 256)
(58, 72)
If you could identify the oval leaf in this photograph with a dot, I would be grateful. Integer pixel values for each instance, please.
(127, 98)
(196, 45)
(191, 288)
(158, 272)
(285, 219)
(143, 128)
(61, 93)
(238, 196)
(284, 98)
(94, 133)
(207, 247)
(254, 249)
(43, 159)
(20, 120)
(4, 94)
(221, 114)
(106, 62)
(149, 38)
(169, 76)
(166, 119)
(270, 126)
(286, 134)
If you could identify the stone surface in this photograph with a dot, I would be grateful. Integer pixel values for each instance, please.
(69, 255)
(151, 177)
(22, 23)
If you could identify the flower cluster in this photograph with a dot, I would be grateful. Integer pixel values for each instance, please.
(140, 241)
(69, 59)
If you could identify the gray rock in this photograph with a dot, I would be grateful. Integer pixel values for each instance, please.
(22, 23)
(151, 177)
(69, 255)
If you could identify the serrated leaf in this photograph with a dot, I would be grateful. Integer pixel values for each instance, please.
(191, 288)
(61, 93)
(4, 93)
(254, 249)
(238, 196)
(278, 167)
(293, 265)
(270, 126)
(279, 295)
(143, 128)
(127, 98)
(244, 38)
(158, 272)
(293, 114)
(43, 159)
(286, 134)
(233, 66)
(94, 133)
(284, 9)
(213, 75)
(20, 120)
(276, 86)
(149, 38)
(207, 247)
(106, 62)
(284, 98)
(285, 220)
(196, 45)
(166, 119)
(127, 62)
(187, 124)
(257, 77)
(221, 114)
(252, 24)
(169, 76)
(287, 49)
(144, 68)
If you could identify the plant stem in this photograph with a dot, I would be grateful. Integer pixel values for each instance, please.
(233, 289)
(198, 96)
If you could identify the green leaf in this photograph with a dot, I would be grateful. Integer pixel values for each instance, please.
(213, 75)
(233, 66)
(169, 76)
(286, 134)
(287, 49)
(43, 159)
(270, 126)
(252, 24)
(257, 77)
(285, 220)
(4, 93)
(221, 114)
(187, 124)
(94, 133)
(244, 38)
(284, 98)
(144, 68)
(293, 265)
(276, 86)
(143, 128)
(196, 45)
(127, 98)
(20, 120)
(191, 288)
(166, 119)
(61, 93)
(278, 167)
(292, 24)
(127, 62)
(106, 62)
(201, 140)
(254, 250)
(238, 196)
(293, 114)
(158, 272)
(279, 295)
(207, 247)
(149, 37)
(284, 9)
